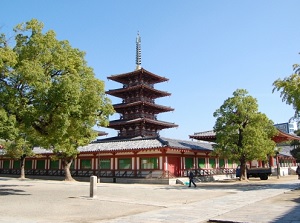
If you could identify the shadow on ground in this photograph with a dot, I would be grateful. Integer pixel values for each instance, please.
(10, 190)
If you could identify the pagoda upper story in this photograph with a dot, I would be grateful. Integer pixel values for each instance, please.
(138, 111)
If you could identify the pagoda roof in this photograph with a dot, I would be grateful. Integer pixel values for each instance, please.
(154, 107)
(121, 92)
(117, 124)
(211, 136)
(125, 77)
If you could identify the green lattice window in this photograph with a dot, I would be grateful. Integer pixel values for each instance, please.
(230, 163)
(16, 164)
(221, 163)
(104, 164)
(86, 164)
(189, 163)
(149, 163)
(54, 164)
(212, 163)
(201, 162)
(125, 163)
(5, 164)
(40, 164)
(28, 164)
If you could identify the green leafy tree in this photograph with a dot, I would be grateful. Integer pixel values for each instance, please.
(289, 89)
(15, 144)
(295, 152)
(51, 91)
(242, 133)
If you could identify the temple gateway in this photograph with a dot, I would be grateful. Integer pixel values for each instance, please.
(138, 153)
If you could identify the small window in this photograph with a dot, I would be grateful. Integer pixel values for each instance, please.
(104, 164)
(6, 164)
(212, 163)
(189, 163)
(125, 163)
(54, 164)
(86, 164)
(16, 164)
(28, 164)
(221, 163)
(149, 163)
(40, 164)
(201, 162)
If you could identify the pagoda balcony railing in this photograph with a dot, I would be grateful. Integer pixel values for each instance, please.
(134, 116)
(138, 83)
(135, 99)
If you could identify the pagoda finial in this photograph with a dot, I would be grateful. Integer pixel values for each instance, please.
(138, 60)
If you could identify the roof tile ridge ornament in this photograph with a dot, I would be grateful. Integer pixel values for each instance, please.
(138, 59)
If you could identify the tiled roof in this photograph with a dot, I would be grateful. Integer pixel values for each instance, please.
(123, 78)
(139, 120)
(120, 92)
(185, 144)
(148, 143)
(285, 150)
(115, 145)
(206, 133)
(40, 150)
(137, 144)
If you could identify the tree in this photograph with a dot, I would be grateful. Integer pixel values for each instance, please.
(52, 93)
(295, 152)
(242, 133)
(15, 144)
(289, 88)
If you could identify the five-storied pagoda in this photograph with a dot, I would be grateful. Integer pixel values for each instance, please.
(138, 111)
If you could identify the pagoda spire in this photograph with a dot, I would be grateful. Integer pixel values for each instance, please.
(138, 60)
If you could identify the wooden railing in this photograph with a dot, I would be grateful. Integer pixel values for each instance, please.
(210, 172)
(121, 173)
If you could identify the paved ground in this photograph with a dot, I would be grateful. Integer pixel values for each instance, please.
(275, 200)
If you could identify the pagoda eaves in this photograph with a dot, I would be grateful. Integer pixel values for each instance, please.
(147, 105)
(125, 78)
(138, 89)
(162, 124)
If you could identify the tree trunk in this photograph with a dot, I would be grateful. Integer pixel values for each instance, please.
(22, 167)
(67, 165)
(243, 170)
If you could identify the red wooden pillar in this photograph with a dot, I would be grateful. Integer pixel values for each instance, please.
(195, 161)
(47, 164)
(271, 161)
(77, 163)
(95, 163)
(164, 160)
(206, 160)
(135, 163)
(182, 164)
(114, 164)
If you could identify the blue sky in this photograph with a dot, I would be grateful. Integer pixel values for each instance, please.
(207, 49)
